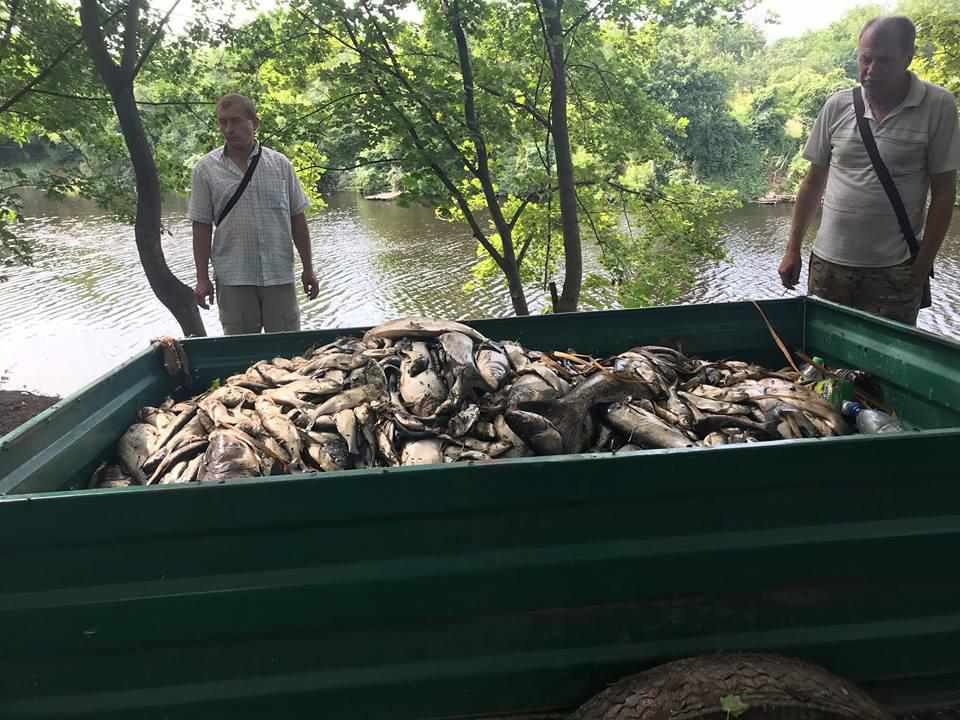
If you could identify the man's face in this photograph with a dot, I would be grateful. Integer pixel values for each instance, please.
(882, 62)
(237, 126)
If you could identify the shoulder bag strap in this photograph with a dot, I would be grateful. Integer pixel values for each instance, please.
(866, 134)
(242, 186)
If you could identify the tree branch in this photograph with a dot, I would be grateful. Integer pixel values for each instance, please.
(431, 161)
(47, 70)
(89, 98)
(402, 78)
(294, 124)
(153, 41)
(365, 163)
(583, 16)
(93, 33)
(12, 7)
(393, 72)
(129, 60)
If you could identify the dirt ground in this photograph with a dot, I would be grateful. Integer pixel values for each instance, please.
(16, 407)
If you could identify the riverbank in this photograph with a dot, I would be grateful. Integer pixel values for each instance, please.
(18, 406)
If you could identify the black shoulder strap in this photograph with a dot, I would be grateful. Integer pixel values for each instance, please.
(888, 185)
(242, 186)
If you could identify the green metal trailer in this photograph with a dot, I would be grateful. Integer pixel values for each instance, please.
(516, 586)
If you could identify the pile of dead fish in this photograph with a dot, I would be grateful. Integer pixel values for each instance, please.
(419, 391)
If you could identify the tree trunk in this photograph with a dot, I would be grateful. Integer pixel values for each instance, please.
(509, 266)
(573, 258)
(175, 295)
(512, 272)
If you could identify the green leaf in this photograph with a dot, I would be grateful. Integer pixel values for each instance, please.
(733, 706)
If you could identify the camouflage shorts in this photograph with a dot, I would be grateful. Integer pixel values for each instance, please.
(885, 291)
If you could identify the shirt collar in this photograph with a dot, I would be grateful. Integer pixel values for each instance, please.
(253, 150)
(918, 91)
(915, 96)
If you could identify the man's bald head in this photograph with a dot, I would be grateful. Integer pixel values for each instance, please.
(898, 28)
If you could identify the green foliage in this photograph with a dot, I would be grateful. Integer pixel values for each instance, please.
(652, 236)
(359, 94)
(13, 251)
(733, 706)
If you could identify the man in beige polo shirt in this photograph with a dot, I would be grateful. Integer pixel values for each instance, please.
(251, 247)
(860, 257)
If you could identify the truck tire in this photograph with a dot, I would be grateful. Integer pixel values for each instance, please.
(732, 687)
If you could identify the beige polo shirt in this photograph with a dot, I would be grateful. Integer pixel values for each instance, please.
(254, 244)
(919, 138)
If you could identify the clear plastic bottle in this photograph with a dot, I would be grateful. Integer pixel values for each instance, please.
(811, 371)
(871, 421)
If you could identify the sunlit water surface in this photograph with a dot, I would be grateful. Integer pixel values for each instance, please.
(85, 305)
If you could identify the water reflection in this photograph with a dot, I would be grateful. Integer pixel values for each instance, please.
(85, 306)
(754, 240)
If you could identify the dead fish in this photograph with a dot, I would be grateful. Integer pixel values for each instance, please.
(459, 350)
(233, 396)
(714, 407)
(422, 452)
(421, 388)
(516, 355)
(386, 442)
(275, 376)
(348, 399)
(711, 423)
(249, 380)
(228, 457)
(327, 451)
(346, 423)
(329, 361)
(530, 388)
(282, 430)
(134, 447)
(550, 377)
(536, 431)
(721, 394)
(603, 438)
(643, 426)
(111, 476)
(157, 417)
(494, 366)
(484, 430)
(160, 448)
(473, 456)
(420, 327)
(311, 388)
(461, 423)
(183, 452)
(571, 413)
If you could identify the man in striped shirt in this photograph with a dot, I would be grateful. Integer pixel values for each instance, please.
(860, 256)
(251, 248)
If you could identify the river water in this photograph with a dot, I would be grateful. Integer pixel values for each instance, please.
(85, 305)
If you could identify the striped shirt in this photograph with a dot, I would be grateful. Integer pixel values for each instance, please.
(919, 138)
(254, 243)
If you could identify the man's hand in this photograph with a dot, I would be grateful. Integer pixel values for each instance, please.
(790, 268)
(311, 286)
(202, 292)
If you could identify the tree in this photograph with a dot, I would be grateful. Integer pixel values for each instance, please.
(481, 92)
(119, 78)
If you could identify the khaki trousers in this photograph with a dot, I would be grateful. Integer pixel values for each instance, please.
(248, 309)
(886, 291)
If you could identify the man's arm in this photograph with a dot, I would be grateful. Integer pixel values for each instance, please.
(202, 242)
(808, 200)
(943, 193)
(301, 239)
